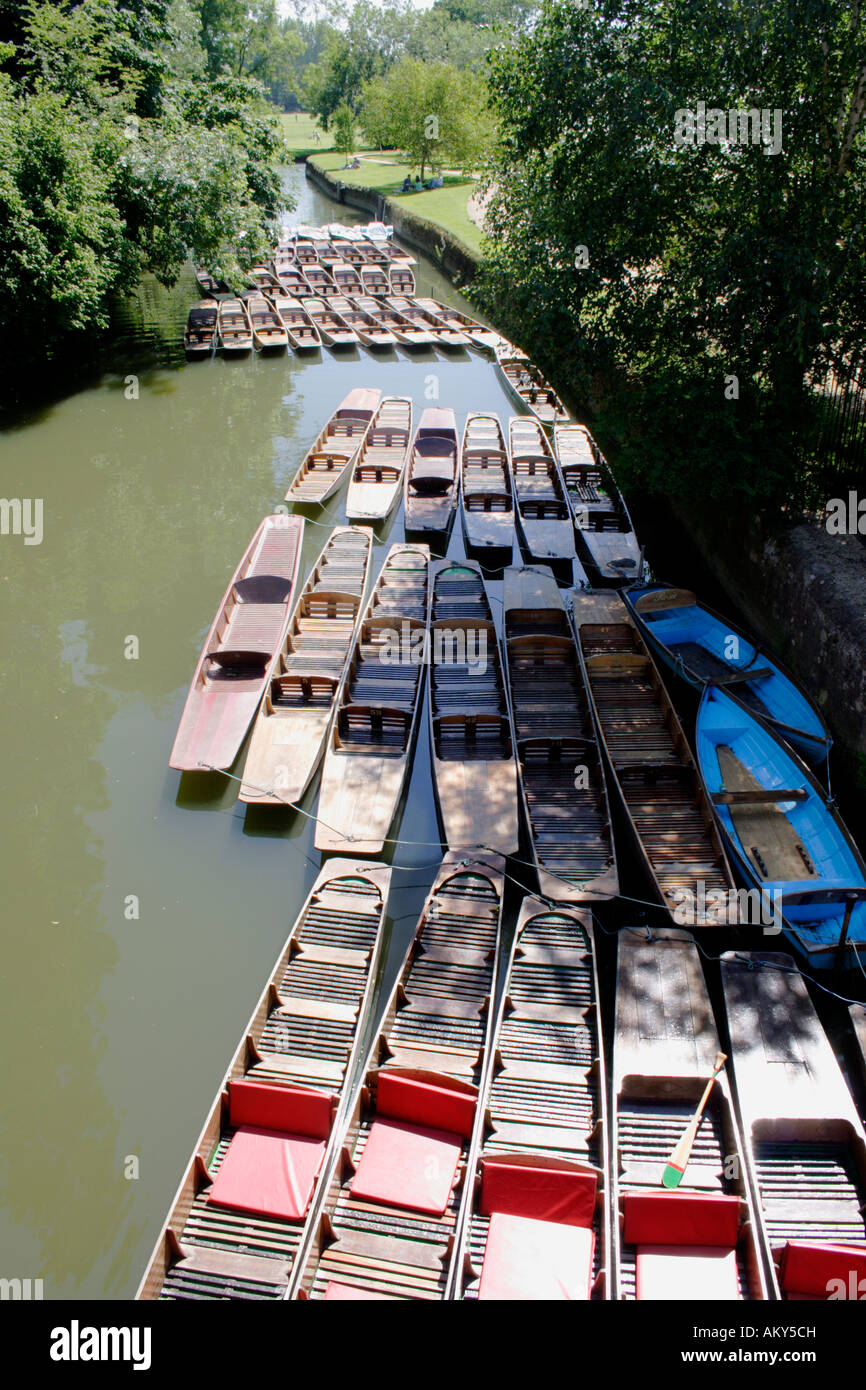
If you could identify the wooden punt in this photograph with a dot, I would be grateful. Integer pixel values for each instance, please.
(201, 329)
(394, 1201)
(302, 333)
(235, 663)
(306, 254)
(284, 262)
(292, 280)
(474, 331)
(408, 334)
(450, 331)
(346, 278)
(269, 335)
(664, 1052)
(284, 1095)
(371, 740)
(397, 253)
(562, 780)
(332, 330)
(474, 768)
(526, 383)
(370, 333)
(318, 280)
(377, 476)
(374, 280)
(542, 509)
(292, 724)
(350, 253)
(326, 251)
(487, 502)
(326, 463)
(784, 833)
(438, 333)
(402, 278)
(660, 787)
(262, 277)
(605, 534)
(804, 1139)
(702, 647)
(535, 1222)
(431, 485)
(233, 325)
(209, 284)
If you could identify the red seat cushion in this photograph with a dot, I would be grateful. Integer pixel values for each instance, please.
(544, 1194)
(423, 1103)
(350, 1291)
(705, 1273)
(290, 1108)
(807, 1270)
(408, 1166)
(268, 1173)
(680, 1218)
(527, 1259)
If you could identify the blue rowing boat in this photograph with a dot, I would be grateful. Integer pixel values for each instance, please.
(783, 832)
(703, 648)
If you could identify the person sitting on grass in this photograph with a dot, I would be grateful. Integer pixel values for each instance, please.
(406, 184)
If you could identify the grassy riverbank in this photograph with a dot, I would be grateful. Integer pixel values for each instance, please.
(382, 170)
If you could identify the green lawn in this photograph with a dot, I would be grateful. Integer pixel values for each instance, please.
(445, 206)
(300, 130)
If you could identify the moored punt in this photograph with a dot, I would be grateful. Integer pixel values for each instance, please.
(661, 790)
(371, 740)
(269, 335)
(209, 284)
(438, 333)
(247, 1203)
(702, 647)
(474, 769)
(326, 251)
(346, 278)
(233, 324)
(318, 280)
(526, 383)
(325, 464)
(605, 533)
(293, 282)
(284, 262)
(351, 253)
(369, 332)
(374, 280)
(407, 333)
(394, 1202)
(700, 1239)
(477, 334)
(431, 484)
(803, 1137)
(535, 1221)
(305, 254)
(261, 277)
(302, 333)
(561, 776)
(402, 278)
(377, 475)
(332, 330)
(295, 714)
(787, 838)
(450, 334)
(201, 329)
(542, 510)
(487, 503)
(232, 671)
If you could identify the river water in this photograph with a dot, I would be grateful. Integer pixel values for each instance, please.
(144, 912)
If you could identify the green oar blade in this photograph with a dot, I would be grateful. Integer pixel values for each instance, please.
(672, 1176)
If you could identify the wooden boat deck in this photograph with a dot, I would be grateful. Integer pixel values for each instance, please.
(665, 1045)
(371, 741)
(435, 1031)
(765, 832)
(545, 519)
(474, 769)
(567, 813)
(431, 482)
(544, 1094)
(326, 463)
(306, 1031)
(806, 1140)
(657, 777)
(377, 475)
(529, 386)
(296, 710)
(334, 332)
(485, 485)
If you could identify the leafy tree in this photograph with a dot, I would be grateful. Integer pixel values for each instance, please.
(344, 129)
(651, 274)
(435, 113)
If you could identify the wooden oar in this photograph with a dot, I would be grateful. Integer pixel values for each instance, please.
(678, 1161)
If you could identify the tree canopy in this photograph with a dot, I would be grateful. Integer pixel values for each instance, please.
(691, 292)
(434, 112)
